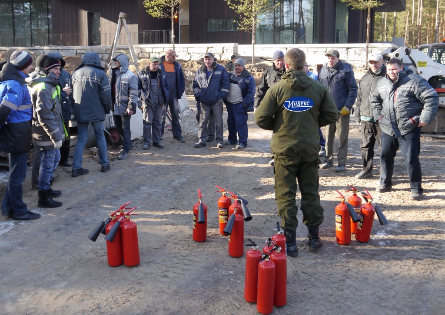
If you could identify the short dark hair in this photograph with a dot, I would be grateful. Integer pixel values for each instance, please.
(295, 59)
(396, 61)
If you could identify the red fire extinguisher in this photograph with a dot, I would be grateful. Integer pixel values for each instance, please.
(380, 215)
(280, 291)
(101, 227)
(114, 243)
(356, 202)
(130, 244)
(237, 204)
(280, 239)
(342, 224)
(199, 220)
(224, 204)
(270, 245)
(266, 285)
(364, 226)
(253, 257)
(235, 230)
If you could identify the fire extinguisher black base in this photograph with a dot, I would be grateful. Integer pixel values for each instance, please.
(314, 244)
(291, 243)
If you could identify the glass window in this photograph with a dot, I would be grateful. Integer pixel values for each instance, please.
(438, 55)
(25, 23)
(341, 22)
(292, 22)
(6, 23)
(215, 25)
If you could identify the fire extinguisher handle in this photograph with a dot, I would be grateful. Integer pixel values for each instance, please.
(252, 243)
(124, 205)
(220, 189)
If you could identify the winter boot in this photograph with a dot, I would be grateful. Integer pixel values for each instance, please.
(54, 193)
(314, 242)
(45, 201)
(291, 243)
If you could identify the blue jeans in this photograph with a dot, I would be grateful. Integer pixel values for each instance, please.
(410, 146)
(49, 159)
(237, 122)
(13, 200)
(82, 135)
(122, 123)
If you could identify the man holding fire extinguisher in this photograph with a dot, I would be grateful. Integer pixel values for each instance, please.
(295, 108)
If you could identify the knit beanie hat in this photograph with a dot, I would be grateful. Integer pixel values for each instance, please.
(239, 61)
(20, 59)
(278, 54)
(46, 63)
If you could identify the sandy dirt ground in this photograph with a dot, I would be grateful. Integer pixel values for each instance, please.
(49, 266)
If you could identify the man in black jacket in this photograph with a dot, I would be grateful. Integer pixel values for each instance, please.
(363, 112)
(271, 76)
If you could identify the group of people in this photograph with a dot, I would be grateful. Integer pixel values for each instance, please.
(37, 106)
(392, 104)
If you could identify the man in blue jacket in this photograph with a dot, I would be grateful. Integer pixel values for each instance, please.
(339, 78)
(15, 132)
(176, 81)
(239, 101)
(402, 103)
(210, 87)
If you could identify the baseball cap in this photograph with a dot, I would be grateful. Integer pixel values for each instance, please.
(154, 59)
(375, 57)
(332, 52)
(209, 54)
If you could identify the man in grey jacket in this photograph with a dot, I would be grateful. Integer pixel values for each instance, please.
(402, 102)
(124, 84)
(48, 131)
(92, 100)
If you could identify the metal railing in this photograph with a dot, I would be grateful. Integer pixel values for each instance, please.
(85, 39)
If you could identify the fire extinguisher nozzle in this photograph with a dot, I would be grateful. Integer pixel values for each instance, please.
(110, 236)
(229, 227)
(95, 233)
(380, 215)
(105, 225)
(201, 214)
(354, 216)
(246, 212)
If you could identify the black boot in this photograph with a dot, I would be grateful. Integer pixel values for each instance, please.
(291, 243)
(45, 201)
(314, 242)
(54, 193)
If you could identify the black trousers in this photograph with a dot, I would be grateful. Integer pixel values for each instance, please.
(371, 134)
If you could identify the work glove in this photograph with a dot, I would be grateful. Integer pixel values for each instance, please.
(198, 115)
(58, 144)
(344, 111)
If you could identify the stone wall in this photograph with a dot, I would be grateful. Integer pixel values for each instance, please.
(353, 53)
(186, 52)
